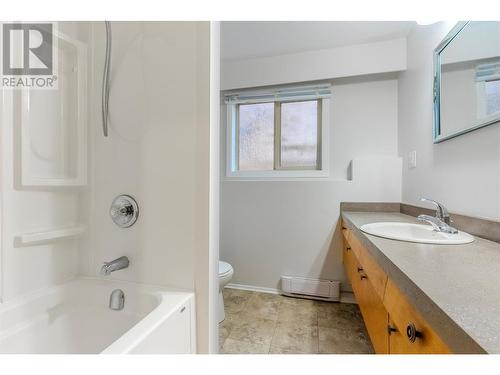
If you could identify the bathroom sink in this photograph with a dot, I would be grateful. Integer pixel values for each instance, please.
(420, 233)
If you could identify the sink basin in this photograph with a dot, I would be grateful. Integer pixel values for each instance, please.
(420, 233)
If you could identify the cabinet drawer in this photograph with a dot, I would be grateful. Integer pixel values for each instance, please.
(377, 277)
(413, 334)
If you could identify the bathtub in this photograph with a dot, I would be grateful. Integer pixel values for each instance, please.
(75, 318)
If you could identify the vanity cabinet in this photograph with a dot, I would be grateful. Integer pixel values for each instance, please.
(393, 324)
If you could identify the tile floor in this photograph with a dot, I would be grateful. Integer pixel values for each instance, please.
(262, 323)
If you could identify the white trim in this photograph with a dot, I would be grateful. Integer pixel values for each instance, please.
(345, 297)
(214, 190)
(252, 288)
(231, 144)
(348, 297)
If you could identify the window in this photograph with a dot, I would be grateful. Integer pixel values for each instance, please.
(492, 91)
(277, 133)
(256, 136)
(299, 135)
(488, 90)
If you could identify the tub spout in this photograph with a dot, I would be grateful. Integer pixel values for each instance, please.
(117, 300)
(114, 265)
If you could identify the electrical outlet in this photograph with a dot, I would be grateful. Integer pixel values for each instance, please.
(412, 159)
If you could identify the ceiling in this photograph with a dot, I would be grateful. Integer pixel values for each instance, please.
(240, 40)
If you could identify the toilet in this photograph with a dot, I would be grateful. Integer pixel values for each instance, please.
(225, 275)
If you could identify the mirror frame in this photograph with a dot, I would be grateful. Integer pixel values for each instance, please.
(436, 130)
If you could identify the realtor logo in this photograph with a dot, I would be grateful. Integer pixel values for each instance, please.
(28, 55)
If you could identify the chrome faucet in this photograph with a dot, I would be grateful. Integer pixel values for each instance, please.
(437, 224)
(440, 222)
(115, 265)
(441, 211)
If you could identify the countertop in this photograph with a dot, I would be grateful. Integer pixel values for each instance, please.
(456, 288)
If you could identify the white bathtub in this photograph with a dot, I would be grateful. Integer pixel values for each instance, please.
(75, 318)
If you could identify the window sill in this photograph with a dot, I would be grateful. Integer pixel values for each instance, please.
(280, 175)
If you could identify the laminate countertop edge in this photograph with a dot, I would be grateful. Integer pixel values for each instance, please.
(450, 332)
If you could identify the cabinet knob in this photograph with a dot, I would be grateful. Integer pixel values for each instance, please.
(412, 333)
(360, 269)
(348, 248)
(364, 277)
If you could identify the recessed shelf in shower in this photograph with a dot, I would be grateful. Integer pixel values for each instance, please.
(44, 237)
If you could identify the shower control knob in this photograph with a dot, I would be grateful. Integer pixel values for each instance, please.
(124, 211)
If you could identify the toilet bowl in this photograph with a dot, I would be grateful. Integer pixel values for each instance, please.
(225, 275)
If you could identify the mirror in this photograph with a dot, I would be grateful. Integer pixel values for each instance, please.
(467, 79)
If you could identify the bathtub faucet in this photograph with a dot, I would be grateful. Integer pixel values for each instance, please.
(117, 300)
(115, 265)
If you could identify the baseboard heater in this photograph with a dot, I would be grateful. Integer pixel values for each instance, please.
(325, 290)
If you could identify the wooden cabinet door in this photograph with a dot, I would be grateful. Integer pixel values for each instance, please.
(377, 277)
(375, 316)
(413, 334)
(351, 267)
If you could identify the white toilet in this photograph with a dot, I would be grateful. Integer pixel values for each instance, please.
(225, 275)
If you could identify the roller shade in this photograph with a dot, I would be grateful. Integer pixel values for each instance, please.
(488, 72)
(280, 95)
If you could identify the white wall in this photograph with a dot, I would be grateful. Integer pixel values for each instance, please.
(158, 152)
(349, 61)
(463, 172)
(28, 209)
(274, 228)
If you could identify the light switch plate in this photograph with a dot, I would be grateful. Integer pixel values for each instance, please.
(412, 159)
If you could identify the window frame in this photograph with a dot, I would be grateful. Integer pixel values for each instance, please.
(279, 172)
